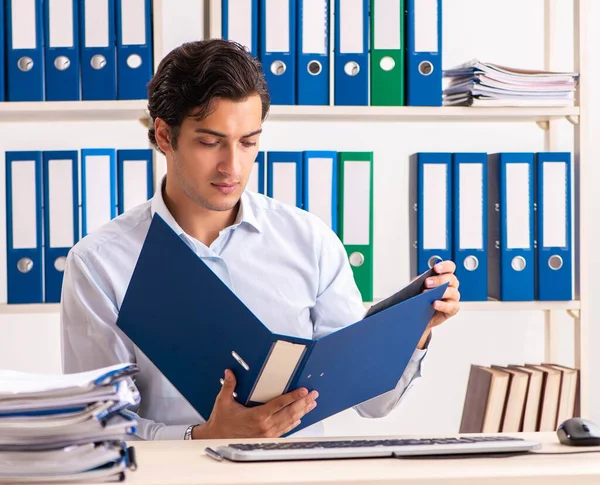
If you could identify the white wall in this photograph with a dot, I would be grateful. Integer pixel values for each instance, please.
(492, 33)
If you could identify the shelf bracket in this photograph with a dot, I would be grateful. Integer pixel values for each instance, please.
(543, 124)
(145, 121)
(574, 314)
(573, 119)
(550, 337)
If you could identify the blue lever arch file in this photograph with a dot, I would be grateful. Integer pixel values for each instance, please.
(2, 56)
(24, 50)
(192, 327)
(554, 252)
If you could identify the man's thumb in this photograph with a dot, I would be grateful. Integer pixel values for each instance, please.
(229, 383)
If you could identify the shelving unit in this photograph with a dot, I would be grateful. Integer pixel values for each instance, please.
(581, 197)
(546, 118)
(136, 110)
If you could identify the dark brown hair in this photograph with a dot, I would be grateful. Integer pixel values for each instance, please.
(192, 76)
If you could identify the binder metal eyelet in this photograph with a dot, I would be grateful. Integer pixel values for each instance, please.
(471, 263)
(352, 68)
(425, 68)
(25, 64)
(60, 263)
(387, 63)
(518, 263)
(435, 259)
(62, 63)
(98, 62)
(25, 265)
(555, 262)
(278, 68)
(314, 68)
(357, 259)
(134, 61)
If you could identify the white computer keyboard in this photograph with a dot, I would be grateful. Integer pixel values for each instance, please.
(371, 448)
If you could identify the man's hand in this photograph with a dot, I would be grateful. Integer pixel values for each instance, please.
(448, 306)
(229, 419)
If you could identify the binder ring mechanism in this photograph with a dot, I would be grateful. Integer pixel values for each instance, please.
(278, 68)
(240, 361)
(25, 64)
(62, 63)
(25, 265)
(352, 68)
(98, 62)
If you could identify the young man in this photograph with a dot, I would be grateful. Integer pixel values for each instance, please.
(207, 102)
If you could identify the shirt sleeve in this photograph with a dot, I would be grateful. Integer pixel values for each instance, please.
(91, 339)
(339, 303)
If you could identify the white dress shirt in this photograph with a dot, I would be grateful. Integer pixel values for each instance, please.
(284, 263)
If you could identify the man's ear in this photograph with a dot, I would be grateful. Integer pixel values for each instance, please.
(162, 133)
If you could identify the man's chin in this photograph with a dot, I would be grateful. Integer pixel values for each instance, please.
(222, 204)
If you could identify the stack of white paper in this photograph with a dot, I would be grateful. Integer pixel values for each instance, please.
(483, 84)
(66, 427)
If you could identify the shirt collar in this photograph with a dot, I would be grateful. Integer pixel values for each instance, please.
(246, 213)
(159, 206)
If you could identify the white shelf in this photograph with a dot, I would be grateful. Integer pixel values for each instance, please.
(136, 110)
(416, 113)
(29, 308)
(495, 306)
(518, 305)
(73, 111)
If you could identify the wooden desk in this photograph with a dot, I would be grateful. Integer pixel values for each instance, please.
(184, 462)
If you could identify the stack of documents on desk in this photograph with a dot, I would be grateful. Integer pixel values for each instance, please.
(66, 427)
(483, 84)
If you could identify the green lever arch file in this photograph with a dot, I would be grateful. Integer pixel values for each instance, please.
(387, 53)
(356, 216)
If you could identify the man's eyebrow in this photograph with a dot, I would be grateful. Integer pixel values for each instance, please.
(222, 135)
(256, 132)
(210, 132)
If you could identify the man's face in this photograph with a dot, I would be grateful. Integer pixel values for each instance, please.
(215, 156)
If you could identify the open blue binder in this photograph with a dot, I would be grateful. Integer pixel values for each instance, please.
(192, 327)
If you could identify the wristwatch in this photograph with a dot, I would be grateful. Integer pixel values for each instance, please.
(188, 432)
